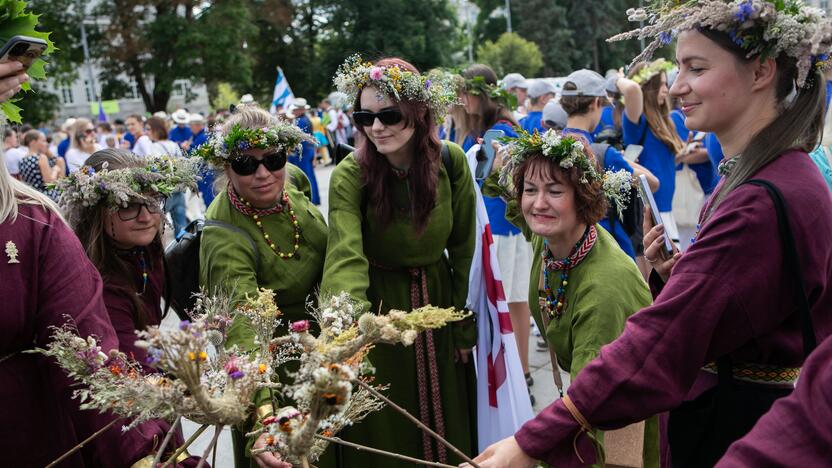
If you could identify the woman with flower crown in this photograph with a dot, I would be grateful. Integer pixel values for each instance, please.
(652, 123)
(262, 232)
(115, 204)
(587, 286)
(738, 312)
(396, 206)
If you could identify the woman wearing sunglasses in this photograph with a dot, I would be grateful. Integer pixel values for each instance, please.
(82, 144)
(273, 236)
(117, 216)
(396, 206)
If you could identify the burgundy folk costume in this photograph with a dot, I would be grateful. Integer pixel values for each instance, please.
(727, 295)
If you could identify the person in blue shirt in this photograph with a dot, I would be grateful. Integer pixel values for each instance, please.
(650, 123)
(305, 157)
(488, 109)
(609, 127)
(198, 138)
(583, 97)
(180, 134)
(540, 93)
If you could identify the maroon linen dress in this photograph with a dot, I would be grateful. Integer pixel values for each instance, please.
(797, 431)
(53, 283)
(728, 294)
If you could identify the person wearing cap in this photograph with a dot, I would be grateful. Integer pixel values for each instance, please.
(198, 138)
(540, 93)
(554, 116)
(305, 157)
(583, 97)
(181, 133)
(609, 127)
(517, 85)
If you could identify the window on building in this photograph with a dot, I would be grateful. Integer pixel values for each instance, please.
(824, 5)
(66, 95)
(89, 91)
(180, 88)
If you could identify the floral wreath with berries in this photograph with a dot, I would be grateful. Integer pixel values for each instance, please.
(567, 152)
(765, 29)
(435, 88)
(221, 148)
(161, 175)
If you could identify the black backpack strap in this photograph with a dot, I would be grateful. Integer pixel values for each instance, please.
(792, 262)
(242, 232)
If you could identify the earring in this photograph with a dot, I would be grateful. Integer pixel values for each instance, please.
(112, 228)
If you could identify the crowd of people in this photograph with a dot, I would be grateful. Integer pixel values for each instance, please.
(683, 338)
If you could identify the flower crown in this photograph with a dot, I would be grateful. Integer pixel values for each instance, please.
(651, 70)
(116, 188)
(479, 87)
(763, 28)
(219, 148)
(568, 152)
(433, 89)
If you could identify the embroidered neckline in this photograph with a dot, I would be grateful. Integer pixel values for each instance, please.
(554, 304)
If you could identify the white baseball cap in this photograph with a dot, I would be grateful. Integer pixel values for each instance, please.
(514, 80)
(540, 87)
(587, 82)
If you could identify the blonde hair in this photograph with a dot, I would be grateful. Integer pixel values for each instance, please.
(79, 126)
(14, 192)
(246, 116)
(658, 113)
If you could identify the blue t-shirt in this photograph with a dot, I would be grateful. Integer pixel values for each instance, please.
(607, 120)
(533, 121)
(199, 139)
(613, 161)
(179, 134)
(819, 158)
(128, 137)
(495, 206)
(656, 158)
(63, 147)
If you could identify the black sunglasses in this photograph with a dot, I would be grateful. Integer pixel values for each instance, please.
(247, 165)
(387, 117)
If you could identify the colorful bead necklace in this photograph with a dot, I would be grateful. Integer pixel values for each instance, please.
(555, 304)
(143, 264)
(256, 215)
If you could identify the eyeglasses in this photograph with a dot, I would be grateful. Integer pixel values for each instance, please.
(387, 117)
(247, 165)
(89, 131)
(157, 206)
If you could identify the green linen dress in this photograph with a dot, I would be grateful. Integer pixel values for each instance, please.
(603, 290)
(227, 261)
(374, 265)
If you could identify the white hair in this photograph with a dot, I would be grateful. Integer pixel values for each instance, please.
(14, 192)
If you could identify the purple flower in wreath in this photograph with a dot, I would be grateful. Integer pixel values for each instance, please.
(91, 170)
(236, 374)
(102, 186)
(665, 37)
(154, 355)
(184, 325)
(427, 84)
(243, 145)
(744, 12)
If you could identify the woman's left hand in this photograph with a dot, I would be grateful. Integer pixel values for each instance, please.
(503, 454)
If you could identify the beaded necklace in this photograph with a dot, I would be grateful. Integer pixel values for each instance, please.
(244, 207)
(554, 305)
(143, 264)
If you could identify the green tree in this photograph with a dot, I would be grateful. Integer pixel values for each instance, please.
(511, 53)
(39, 105)
(225, 97)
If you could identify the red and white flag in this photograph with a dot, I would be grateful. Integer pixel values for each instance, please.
(502, 396)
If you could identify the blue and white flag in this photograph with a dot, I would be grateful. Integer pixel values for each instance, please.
(282, 93)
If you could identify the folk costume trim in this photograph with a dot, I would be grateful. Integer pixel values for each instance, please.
(553, 305)
(243, 206)
(760, 373)
(436, 89)
(763, 28)
(221, 148)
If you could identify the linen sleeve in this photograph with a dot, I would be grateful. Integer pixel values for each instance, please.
(461, 242)
(346, 267)
(299, 180)
(700, 315)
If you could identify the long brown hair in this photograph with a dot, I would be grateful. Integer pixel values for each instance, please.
(490, 111)
(376, 172)
(88, 222)
(798, 125)
(657, 112)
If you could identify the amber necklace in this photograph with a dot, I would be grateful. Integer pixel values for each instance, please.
(244, 207)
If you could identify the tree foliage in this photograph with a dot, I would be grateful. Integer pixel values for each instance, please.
(511, 53)
(39, 105)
